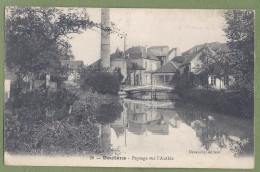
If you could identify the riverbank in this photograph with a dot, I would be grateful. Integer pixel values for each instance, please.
(229, 103)
(58, 122)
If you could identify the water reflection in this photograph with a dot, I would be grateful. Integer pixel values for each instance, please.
(151, 127)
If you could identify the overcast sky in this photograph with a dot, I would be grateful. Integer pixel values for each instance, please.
(152, 27)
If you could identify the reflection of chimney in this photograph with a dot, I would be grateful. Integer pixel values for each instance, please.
(105, 137)
(105, 38)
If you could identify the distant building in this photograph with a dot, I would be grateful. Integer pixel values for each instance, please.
(138, 63)
(72, 65)
(146, 60)
(161, 52)
(191, 65)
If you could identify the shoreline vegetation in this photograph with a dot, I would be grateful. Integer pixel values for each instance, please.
(235, 103)
(62, 121)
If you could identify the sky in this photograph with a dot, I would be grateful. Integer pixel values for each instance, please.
(151, 27)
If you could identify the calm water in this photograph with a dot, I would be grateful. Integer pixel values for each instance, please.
(149, 128)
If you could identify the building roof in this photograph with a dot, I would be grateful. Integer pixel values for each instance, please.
(169, 67)
(117, 55)
(140, 52)
(215, 46)
(179, 59)
(190, 57)
(95, 66)
(136, 52)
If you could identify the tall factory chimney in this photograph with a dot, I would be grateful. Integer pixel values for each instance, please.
(105, 38)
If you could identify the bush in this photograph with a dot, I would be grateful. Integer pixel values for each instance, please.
(100, 81)
(73, 130)
(44, 98)
(28, 130)
(62, 137)
(234, 103)
(83, 113)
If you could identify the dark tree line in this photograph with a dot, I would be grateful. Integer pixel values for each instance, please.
(239, 30)
(36, 39)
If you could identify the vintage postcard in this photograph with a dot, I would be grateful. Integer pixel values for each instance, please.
(168, 88)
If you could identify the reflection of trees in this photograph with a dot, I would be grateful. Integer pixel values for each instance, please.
(210, 132)
(108, 113)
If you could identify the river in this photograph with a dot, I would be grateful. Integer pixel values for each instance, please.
(177, 130)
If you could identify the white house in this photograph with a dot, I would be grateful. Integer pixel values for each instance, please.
(193, 64)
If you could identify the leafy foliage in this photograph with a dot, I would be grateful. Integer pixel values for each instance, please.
(42, 98)
(229, 103)
(37, 125)
(36, 39)
(83, 113)
(240, 33)
(100, 81)
(50, 137)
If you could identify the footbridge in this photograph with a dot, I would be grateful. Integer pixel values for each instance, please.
(153, 89)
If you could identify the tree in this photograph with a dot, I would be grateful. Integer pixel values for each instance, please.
(99, 81)
(213, 62)
(119, 74)
(239, 30)
(37, 39)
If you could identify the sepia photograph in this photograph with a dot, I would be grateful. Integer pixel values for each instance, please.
(129, 87)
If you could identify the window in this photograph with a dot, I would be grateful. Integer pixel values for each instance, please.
(226, 80)
(146, 79)
(145, 65)
(161, 78)
(167, 78)
(213, 80)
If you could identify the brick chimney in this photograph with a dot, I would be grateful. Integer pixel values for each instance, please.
(105, 38)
